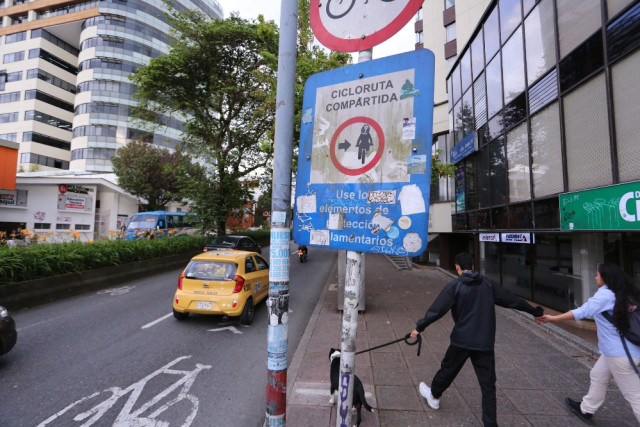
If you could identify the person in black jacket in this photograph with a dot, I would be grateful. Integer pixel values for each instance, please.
(472, 299)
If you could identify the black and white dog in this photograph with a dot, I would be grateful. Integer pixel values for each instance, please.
(359, 399)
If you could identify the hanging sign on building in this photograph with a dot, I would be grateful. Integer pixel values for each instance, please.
(362, 182)
(357, 25)
(524, 238)
(490, 237)
(616, 207)
(462, 149)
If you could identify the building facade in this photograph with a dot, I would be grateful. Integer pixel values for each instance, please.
(65, 96)
(543, 121)
(442, 26)
(65, 206)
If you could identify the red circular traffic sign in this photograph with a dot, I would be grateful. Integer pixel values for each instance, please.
(376, 158)
(357, 25)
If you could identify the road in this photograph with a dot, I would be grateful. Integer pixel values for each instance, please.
(118, 357)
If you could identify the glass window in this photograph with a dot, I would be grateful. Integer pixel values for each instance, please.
(470, 198)
(500, 218)
(457, 90)
(480, 101)
(553, 271)
(451, 32)
(490, 260)
(540, 40)
(625, 97)
(449, 3)
(513, 69)
(518, 158)
(465, 69)
(576, 24)
(495, 127)
(546, 152)
(477, 55)
(587, 136)
(491, 35)
(420, 37)
(527, 5)
(546, 213)
(483, 169)
(450, 91)
(515, 112)
(543, 92)
(516, 268)
(582, 62)
(520, 216)
(623, 34)
(494, 86)
(498, 164)
(457, 117)
(466, 113)
(510, 17)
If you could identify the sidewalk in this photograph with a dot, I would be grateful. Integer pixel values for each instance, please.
(537, 366)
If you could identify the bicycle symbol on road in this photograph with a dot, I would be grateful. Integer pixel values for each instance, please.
(340, 10)
(116, 291)
(145, 414)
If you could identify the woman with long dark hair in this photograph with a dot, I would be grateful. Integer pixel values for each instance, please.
(614, 294)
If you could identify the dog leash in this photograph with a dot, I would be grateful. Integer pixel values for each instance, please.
(405, 339)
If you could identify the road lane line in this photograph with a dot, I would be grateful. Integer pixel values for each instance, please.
(148, 325)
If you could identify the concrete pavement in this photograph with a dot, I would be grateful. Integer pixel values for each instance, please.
(536, 365)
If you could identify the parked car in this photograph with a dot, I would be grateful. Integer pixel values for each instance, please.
(8, 333)
(224, 282)
(242, 243)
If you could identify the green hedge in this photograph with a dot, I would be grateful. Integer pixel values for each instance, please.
(18, 264)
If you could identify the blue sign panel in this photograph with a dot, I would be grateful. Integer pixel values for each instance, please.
(364, 163)
(464, 148)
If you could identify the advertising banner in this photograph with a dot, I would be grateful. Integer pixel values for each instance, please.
(616, 207)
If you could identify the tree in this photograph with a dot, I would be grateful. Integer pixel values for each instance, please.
(311, 58)
(149, 172)
(219, 72)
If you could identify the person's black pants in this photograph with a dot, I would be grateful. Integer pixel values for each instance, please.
(484, 364)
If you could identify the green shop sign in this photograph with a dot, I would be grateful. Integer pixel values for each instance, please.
(616, 207)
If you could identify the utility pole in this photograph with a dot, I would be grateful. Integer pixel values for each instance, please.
(278, 301)
(354, 279)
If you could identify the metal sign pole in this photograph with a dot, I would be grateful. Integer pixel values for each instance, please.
(354, 279)
(278, 301)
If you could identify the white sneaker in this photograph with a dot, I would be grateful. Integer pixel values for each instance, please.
(425, 391)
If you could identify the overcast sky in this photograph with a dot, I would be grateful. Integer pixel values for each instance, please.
(403, 41)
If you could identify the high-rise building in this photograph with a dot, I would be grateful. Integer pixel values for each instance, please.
(65, 96)
(543, 124)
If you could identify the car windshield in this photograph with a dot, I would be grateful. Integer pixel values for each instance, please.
(210, 270)
(224, 242)
(142, 222)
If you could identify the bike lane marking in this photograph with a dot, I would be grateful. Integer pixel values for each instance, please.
(148, 325)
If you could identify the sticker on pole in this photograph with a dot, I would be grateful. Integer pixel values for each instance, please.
(364, 166)
(356, 25)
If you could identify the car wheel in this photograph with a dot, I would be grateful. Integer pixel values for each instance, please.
(180, 316)
(247, 312)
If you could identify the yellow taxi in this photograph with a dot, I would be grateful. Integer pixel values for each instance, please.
(227, 282)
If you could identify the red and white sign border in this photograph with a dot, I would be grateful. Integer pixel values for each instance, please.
(359, 44)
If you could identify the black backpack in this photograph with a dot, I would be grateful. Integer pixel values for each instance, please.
(633, 333)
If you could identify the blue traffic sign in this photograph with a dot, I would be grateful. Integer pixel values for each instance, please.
(364, 165)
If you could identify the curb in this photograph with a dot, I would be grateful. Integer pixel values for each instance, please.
(296, 361)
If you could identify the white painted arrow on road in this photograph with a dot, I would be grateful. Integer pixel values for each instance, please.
(231, 328)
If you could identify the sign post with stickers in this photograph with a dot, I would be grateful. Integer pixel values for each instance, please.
(364, 164)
